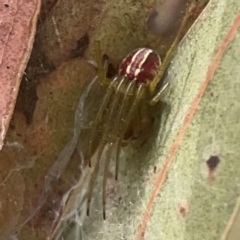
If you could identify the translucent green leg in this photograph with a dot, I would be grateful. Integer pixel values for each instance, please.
(168, 57)
(102, 67)
(158, 96)
(109, 125)
(101, 71)
(117, 127)
(125, 121)
(105, 139)
(139, 95)
(141, 91)
(100, 115)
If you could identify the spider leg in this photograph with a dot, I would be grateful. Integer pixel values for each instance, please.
(99, 116)
(101, 67)
(141, 91)
(158, 96)
(105, 137)
(110, 122)
(127, 94)
(127, 91)
(167, 59)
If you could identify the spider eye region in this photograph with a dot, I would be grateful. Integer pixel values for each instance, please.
(140, 65)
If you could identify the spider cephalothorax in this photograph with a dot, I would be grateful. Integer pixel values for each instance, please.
(126, 104)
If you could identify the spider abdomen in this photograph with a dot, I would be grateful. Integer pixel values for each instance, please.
(140, 65)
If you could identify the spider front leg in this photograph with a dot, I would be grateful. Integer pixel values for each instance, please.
(158, 96)
(102, 65)
(167, 59)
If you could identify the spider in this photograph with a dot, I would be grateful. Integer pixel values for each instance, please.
(126, 104)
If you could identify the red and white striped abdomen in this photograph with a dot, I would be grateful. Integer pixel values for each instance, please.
(140, 65)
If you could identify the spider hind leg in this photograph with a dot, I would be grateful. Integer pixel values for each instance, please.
(100, 117)
(106, 117)
(125, 115)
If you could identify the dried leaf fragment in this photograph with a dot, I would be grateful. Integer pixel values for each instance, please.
(17, 28)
